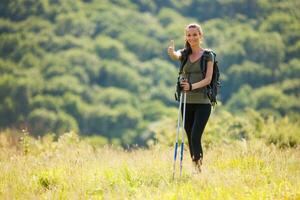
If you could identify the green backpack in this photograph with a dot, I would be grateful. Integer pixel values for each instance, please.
(212, 89)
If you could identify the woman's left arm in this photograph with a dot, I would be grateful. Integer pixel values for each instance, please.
(208, 76)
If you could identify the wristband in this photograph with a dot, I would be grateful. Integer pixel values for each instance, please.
(190, 86)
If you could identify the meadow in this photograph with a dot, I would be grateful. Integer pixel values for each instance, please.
(72, 168)
(101, 69)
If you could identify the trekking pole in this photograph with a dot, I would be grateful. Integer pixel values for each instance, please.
(177, 133)
(182, 131)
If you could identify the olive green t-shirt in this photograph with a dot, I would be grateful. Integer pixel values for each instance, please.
(192, 71)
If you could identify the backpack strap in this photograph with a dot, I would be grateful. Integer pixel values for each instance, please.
(206, 57)
(207, 54)
(184, 58)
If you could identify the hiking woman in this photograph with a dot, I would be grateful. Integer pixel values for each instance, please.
(198, 106)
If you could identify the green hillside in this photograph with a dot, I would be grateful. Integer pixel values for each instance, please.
(100, 67)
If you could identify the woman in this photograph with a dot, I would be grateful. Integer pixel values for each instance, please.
(198, 106)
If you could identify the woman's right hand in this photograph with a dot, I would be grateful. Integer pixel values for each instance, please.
(171, 49)
(175, 55)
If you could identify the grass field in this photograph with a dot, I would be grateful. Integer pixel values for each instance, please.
(72, 169)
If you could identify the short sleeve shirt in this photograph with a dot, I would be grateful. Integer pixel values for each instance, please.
(192, 71)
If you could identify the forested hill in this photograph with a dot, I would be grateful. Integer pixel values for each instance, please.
(100, 66)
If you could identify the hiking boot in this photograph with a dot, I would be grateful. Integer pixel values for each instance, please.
(198, 164)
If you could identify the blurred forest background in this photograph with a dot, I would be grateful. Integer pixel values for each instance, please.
(100, 68)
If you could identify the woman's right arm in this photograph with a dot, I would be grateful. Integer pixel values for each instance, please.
(175, 55)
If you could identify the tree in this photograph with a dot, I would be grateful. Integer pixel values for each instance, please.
(114, 97)
(48, 102)
(249, 73)
(290, 70)
(265, 48)
(60, 85)
(116, 74)
(21, 9)
(75, 24)
(241, 99)
(14, 100)
(42, 121)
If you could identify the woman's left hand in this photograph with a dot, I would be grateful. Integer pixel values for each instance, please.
(185, 85)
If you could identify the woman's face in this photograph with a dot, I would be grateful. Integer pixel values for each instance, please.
(193, 36)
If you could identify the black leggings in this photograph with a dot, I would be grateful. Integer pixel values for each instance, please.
(196, 117)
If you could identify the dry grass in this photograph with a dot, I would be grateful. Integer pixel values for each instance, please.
(73, 169)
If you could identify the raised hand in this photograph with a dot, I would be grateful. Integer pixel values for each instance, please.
(171, 49)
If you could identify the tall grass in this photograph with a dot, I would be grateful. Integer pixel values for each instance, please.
(73, 169)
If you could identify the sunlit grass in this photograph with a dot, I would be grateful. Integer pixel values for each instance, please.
(73, 169)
